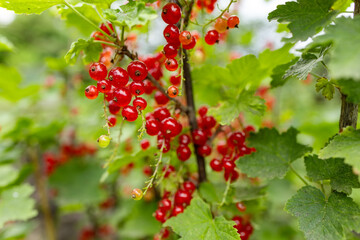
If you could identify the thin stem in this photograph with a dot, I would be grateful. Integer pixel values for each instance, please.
(106, 43)
(106, 117)
(122, 39)
(322, 187)
(228, 183)
(221, 14)
(298, 175)
(315, 75)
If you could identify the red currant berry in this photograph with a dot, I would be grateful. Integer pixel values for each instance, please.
(170, 50)
(91, 92)
(208, 122)
(149, 87)
(221, 25)
(118, 77)
(234, 175)
(238, 221)
(199, 137)
(114, 108)
(139, 103)
(204, 150)
(161, 98)
(182, 197)
(171, 64)
(107, 27)
(163, 143)
(184, 139)
(236, 139)
(98, 71)
(165, 233)
(222, 148)
(137, 88)
(189, 186)
(177, 210)
(172, 91)
(103, 86)
(175, 80)
(248, 228)
(137, 194)
(129, 113)
(145, 144)
(216, 165)
(191, 45)
(212, 37)
(171, 13)
(183, 152)
(152, 127)
(161, 113)
(97, 35)
(241, 207)
(171, 34)
(169, 170)
(185, 37)
(122, 97)
(137, 70)
(233, 21)
(147, 170)
(111, 121)
(165, 205)
(160, 216)
(248, 130)
(170, 127)
(202, 111)
(228, 166)
(110, 95)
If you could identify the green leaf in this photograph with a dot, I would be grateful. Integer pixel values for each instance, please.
(326, 87)
(5, 45)
(100, 2)
(208, 192)
(132, 14)
(341, 5)
(29, 6)
(274, 153)
(8, 175)
(324, 219)
(305, 17)
(351, 89)
(278, 73)
(344, 145)
(90, 49)
(196, 222)
(16, 204)
(341, 176)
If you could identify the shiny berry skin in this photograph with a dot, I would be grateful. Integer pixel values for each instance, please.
(202, 111)
(111, 121)
(175, 80)
(222, 148)
(160, 215)
(163, 143)
(118, 77)
(169, 169)
(177, 210)
(185, 37)
(170, 50)
(165, 205)
(234, 175)
(161, 98)
(182, 197)
(221, 25)
(91, 92)
(173, 91)
(114, 108)
(184, 139)
(106, 27)
(248, 130)
(152, 127)
(236, 139)
(171, 34)
(137, 88)
(144, 144)
(171, 64)
(103, 141)
(199, 137)
(171, 13)
(161, 113)
(110, 95)
(149, 87)
(170, 127)
(165, 233)
(208, 122)
(139, 103)
(137, 194)
(191, 45)
(233, 21)
(189, 186)
(241, 207)
(97, 71)
(204, 150)
(228, 166)
(216, 165)
(130, 113)
(183, 152)
(212, 37)
(103, 86)
(137, 70)
(122, 97)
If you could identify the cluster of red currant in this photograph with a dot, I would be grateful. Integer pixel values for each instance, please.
(209, 5)
(89, 233)
(221, 25)
(243, 227)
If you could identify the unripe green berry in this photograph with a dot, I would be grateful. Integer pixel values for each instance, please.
(103, 141)
(137, 194)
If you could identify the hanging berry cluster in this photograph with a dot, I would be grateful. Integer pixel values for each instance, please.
(243, 227)
(221, 26)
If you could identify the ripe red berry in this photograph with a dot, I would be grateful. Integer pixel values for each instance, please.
(110, 95)
(185, 37)
(228, 166)
(182, 197)
(137, 88)
(191, 45)
(177, 210)
(212, 37)
(241, 207)
(165, 205)
(171, 13)
(161, 113)
(171, 34)
(91, 92)
(103, 86)
(147, 170)
(199, 137)
(172, 91)
(202, 111)
(171, 64)
(145, 144)
(122, 97)
(234, 175)
(169, 169)
(222, 148)
(97, 35)
(129, 113)
(189, 186)
(118, 77)
(204, 150)
(160, 215)
(161, 98)
(175, 80)
(170, 127)
(221, 25)
(216, 165)
(114, 108)
(98, 71)
(233, 21)
(248, 130)
(184, 139)
(208, 122)
(111, 121)
(183, 152)
(107, 27)
(149, 87)
(170, 50)
(137, 70)
(139, 103)
(161, 140)
(236, 139)
(152, 127)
